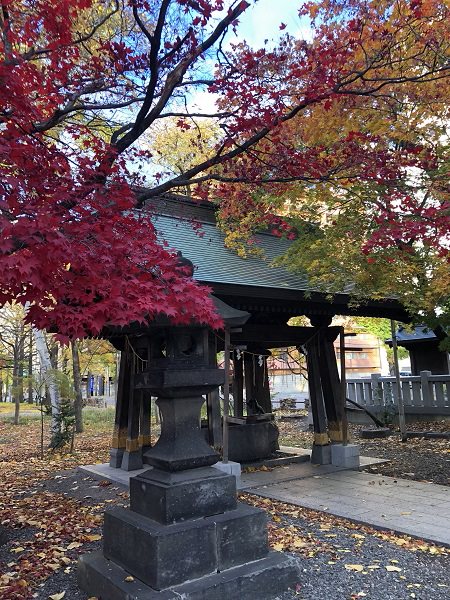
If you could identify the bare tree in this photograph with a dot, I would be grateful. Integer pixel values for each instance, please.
(77, 385)
(13, 333)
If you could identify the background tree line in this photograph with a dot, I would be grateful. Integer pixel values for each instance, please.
(27, 377)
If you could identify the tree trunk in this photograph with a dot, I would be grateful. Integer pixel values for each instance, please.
(47, 371)
(20, 364)
(15, 385)
(30, 368)
(78, 404)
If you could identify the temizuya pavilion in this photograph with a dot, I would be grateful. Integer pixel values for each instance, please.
(271, 295)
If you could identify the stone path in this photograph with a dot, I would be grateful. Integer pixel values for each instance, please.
(413, 508)
(418, 509)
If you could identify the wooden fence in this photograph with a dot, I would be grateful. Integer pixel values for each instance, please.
(424, 393)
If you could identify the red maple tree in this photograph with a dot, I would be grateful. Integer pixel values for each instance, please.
(81, 83)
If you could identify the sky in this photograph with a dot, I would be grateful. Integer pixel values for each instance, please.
(262, 20)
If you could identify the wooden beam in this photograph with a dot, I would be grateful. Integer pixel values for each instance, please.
(331, 386)
(226, 397)
(144, 418)
(262, 389)
(132, 457)
(300, 302)
(278, 336)
(249, 376)
(316, 395)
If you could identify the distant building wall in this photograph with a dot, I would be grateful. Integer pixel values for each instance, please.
(364, 355)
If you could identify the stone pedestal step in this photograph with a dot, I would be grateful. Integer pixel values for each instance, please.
(263, 579)
(168, 555)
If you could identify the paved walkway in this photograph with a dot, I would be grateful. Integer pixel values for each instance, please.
(413, 508)
(418, 509)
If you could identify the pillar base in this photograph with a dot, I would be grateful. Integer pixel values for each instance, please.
(173, 497)
(264, 579)
(345, 456)
(230, 467)
(185, 536)
(321, 455)
(131, 461)
(163, 556)
(115, 457)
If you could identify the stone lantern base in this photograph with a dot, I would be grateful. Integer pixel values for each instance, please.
(185, 536)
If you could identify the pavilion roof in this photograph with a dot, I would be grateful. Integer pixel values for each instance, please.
(255, 276)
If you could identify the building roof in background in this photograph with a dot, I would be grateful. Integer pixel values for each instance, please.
(417, 335)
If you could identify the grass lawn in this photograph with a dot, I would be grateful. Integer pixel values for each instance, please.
(9, 407)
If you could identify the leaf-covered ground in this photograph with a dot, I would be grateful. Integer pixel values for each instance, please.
(51, 513)
(42, 530)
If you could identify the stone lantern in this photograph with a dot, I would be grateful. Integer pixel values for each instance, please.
(185, 534)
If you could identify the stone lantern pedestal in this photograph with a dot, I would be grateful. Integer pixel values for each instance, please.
(185, 535)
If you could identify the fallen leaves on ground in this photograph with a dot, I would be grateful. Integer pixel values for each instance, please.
(257, 469)
(358, 568)
(61, 525)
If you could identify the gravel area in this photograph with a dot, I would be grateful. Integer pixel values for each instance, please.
(89, 492)
(420, 459)
(326, 576)
(337, 560)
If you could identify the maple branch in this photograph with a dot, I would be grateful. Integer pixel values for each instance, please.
(220, 158)
(174, 78)
(176, 47)
(141, 24)
(188, 115)
(196, 82)
(72, 107)
(32, 53)
(155, 43)
(6, 30)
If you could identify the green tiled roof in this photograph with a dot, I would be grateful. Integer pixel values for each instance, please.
(254, 278)
(214, 263)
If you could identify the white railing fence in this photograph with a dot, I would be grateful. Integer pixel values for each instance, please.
(424, 391)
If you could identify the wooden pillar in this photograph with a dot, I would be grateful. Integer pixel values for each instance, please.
(121, 415)
(249, 377)
(316, 395)
(213, 403)
(331, 384)
(132, 457)
(238, 385)
(321, 450)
